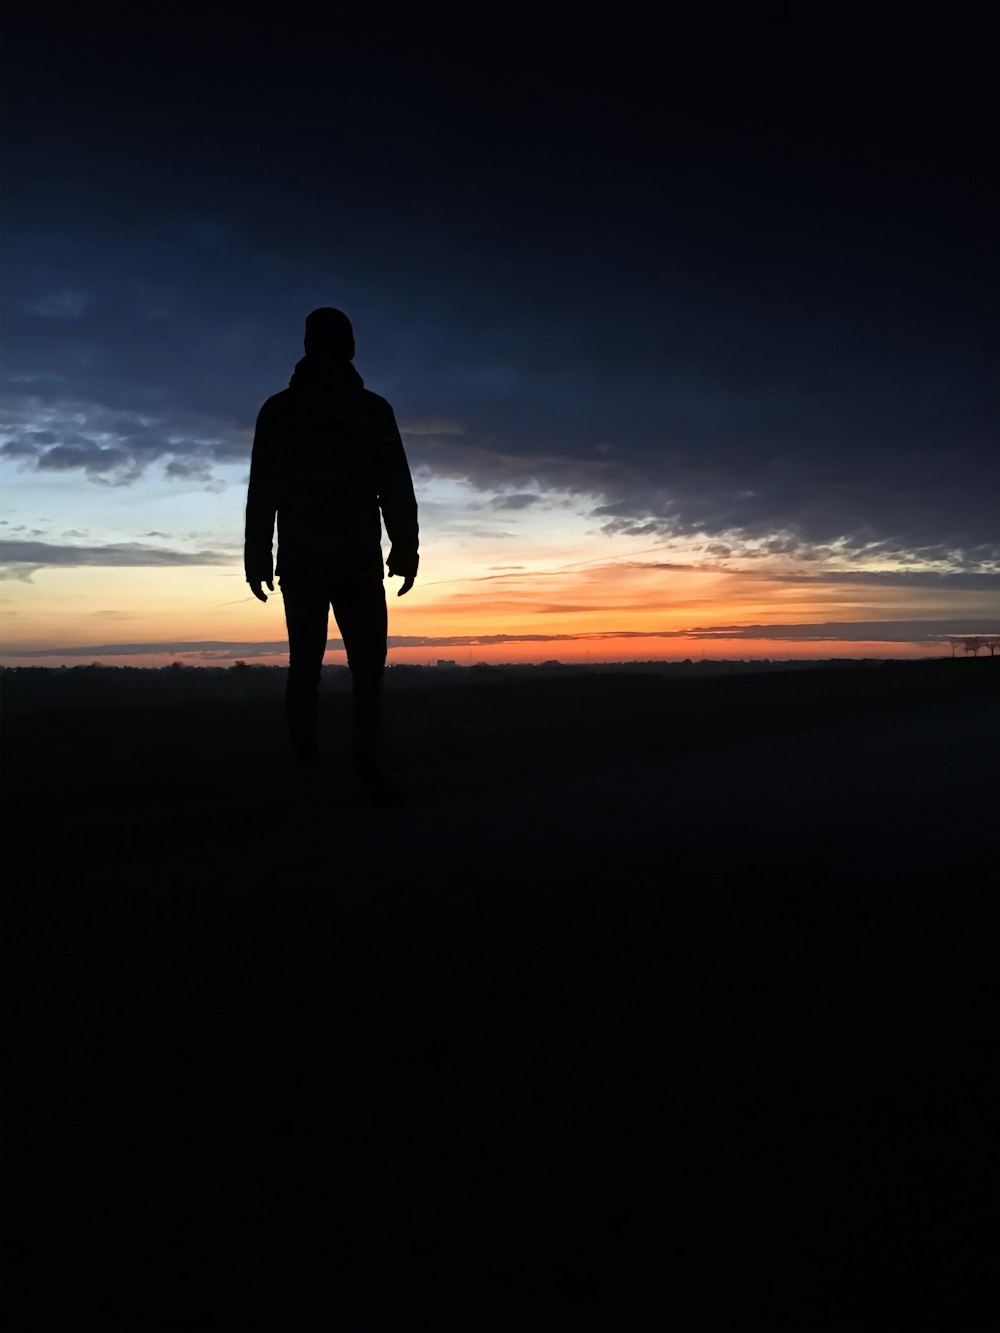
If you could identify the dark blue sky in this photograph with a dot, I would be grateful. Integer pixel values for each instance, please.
(734, 277)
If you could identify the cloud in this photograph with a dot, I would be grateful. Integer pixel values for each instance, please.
(521, 500)
(734, 436)
(170, 646)
(775, 353)
(943, 580)
(473, 530)
(946, 581)
(21, 559)
(753, 497)
(112, 446)
(673, 565)
(431, 426)
(699, 419)
(857, 631)
(929, 520)
(488, 467)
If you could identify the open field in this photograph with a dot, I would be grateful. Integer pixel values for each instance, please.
(659, 1005)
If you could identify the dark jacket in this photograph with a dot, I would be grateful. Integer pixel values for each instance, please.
(327, 457)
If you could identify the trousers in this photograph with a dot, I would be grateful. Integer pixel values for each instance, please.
(359, 609)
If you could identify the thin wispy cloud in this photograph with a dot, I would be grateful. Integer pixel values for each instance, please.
(431, 426)
(943, 580)
(19, 558)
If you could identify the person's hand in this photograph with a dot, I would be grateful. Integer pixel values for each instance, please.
(407, 582)
(405, 566)
(258, 568)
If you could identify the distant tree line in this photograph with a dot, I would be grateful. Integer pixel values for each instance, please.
(98, 686)
(975, 642)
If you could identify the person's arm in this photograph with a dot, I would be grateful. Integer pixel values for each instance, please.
(262, 505)
(397, 502)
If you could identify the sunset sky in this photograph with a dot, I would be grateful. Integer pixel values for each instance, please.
(690, 338)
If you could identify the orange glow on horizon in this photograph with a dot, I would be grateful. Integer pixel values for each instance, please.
(590, 611)
(581, 652)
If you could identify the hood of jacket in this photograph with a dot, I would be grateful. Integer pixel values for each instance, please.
(319, 378)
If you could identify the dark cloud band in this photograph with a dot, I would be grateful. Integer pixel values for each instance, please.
(39, 554)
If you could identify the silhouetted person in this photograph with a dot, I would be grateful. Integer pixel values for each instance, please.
(327, 456)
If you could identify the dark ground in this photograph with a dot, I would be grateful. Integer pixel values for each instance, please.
(660, 1005)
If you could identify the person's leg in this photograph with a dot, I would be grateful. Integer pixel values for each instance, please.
(307, 603)
(359, 608)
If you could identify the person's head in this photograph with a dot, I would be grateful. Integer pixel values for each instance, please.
(329, 333)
